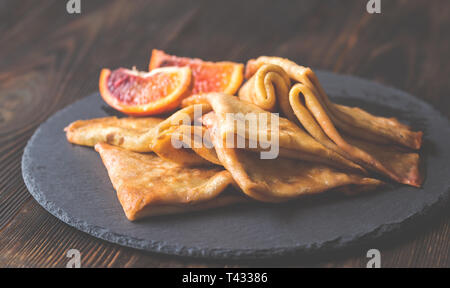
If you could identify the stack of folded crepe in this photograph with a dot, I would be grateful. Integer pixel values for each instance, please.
(322, 146)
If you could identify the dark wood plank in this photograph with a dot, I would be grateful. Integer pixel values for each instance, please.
(50, 59)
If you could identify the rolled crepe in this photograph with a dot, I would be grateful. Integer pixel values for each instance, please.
(355, 134)
(133, 134)
(269, 88)
(293, 141)
(148, 185)
(281, 179)
(353, 121)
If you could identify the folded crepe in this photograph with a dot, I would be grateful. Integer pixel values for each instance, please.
(354, 121)
(148, 185)
(155, 184)
(395, 162)
(186, 145)
(281, 179)
(134, 134)
(321, 146)
(373, 142)
(183, 140)
(293, 141)
(269, 88)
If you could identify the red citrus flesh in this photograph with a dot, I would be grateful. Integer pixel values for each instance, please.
(225, 77)
(145, 93)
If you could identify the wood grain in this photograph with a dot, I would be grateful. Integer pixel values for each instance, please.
(50, 59)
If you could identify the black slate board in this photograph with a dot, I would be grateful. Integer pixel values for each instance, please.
(72, 184)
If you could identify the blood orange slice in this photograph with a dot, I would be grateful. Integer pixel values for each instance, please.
(225, 77)
(145, 93)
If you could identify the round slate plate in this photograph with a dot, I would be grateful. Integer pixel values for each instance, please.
(71, 183)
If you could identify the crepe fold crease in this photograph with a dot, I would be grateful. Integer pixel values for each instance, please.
(379, 144)
(268, 88)
(179, 140)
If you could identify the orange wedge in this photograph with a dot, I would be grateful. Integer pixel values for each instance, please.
(145, 93)
(225, 77)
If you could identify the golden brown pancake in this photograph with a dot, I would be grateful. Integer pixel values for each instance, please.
(321, 146)
(179, 131)
(130, 133)
(148, 185)
(371, 141)
(268, 89)
(281, 179)
(294, 142)
(353, 121)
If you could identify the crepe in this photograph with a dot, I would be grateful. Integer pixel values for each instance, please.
(281, 179)
(221, 149)
(268, 89)
(185, 145)
(396, 163)
(354, 121)
(293, 141)
(373, 142)
(178, 139)
(133, 134)
(148, 185)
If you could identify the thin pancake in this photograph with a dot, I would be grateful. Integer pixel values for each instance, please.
(185, 145)
(268, 89)
(148, 185)
(293, 142)
(353, 133)
(394, 162)
(179, 140)
(130, 133)
(353, 121)
(281, 179)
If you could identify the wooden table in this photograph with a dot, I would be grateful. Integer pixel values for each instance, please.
(50, 58)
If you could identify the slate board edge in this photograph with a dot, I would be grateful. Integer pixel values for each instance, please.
(179, 250)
